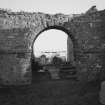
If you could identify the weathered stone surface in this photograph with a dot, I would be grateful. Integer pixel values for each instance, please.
(19, 30)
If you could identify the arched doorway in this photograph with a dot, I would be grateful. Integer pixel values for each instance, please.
(49, 42)
(52, 47)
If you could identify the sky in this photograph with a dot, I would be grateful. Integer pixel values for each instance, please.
(51, 40)
(52, 6)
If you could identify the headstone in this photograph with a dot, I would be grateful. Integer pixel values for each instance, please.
(102, 93)
(54, 72)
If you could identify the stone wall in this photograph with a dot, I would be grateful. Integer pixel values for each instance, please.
(90, 34)
(18, 30)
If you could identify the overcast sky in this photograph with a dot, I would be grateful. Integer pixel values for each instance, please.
(52, 6)
(51, 41)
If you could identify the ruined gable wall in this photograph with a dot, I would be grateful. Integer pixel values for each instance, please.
(18, 31)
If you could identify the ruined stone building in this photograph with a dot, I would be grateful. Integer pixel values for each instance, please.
(19, 30)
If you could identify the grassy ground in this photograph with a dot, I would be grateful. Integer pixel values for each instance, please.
(44, 91)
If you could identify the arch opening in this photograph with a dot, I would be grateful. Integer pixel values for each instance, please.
(49, 42)
(52, 47)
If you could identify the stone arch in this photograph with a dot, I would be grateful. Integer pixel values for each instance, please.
(58, 28)
(61, 28)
